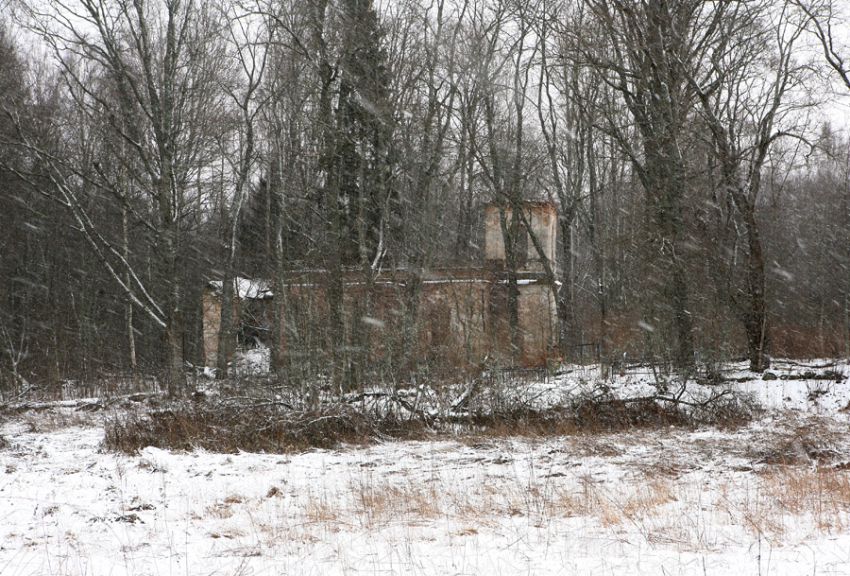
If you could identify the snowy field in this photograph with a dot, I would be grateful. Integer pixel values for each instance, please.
(769, 498)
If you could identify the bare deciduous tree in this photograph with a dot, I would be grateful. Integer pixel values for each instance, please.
(155, 59)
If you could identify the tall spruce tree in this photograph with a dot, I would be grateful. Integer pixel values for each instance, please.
(364, 130)
(363, 167)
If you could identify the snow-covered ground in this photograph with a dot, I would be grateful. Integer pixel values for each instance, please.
(770, 498)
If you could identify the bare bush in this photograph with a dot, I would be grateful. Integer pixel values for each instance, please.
(726, 410)
(229, 428)
(616, 414)
(272, 424)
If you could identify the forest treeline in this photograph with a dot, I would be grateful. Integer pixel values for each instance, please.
(148, 147)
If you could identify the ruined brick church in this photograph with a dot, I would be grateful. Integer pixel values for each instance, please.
(462, 317)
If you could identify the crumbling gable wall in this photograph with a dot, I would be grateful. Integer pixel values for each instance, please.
(542, 218)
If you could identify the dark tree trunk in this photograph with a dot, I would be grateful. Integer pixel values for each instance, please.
(565, 306)
(175, 378)
(175, 375)
(226, 329)
(755, 317)
(510, 232)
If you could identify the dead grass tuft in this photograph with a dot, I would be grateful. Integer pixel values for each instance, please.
(377, 504)
(789, 498)
(583, 502)
(647, 498)
(273, 492)
(220, 510)
(320, 511)
(821, 493)
(659, 507)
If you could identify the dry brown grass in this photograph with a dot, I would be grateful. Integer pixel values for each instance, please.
(384, 502)
(381, 503)
(614, 506)
(778, 503)
(820, 493)
(318, 510)
(234, 499)
(569, 503)
(658, 507)
(220, 510)
(647, 498)
(784, 498)
(230, 534)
